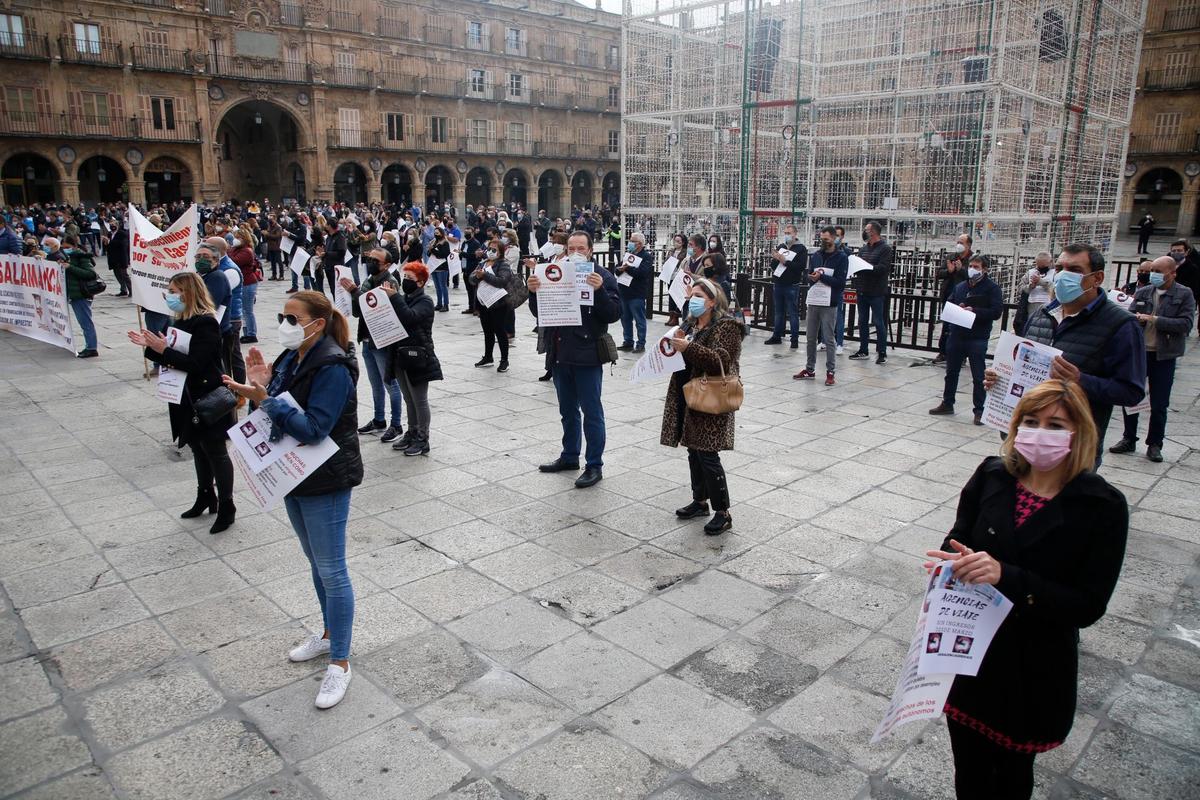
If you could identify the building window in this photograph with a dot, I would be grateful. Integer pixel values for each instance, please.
(583, 137)
(344, 64)
(95, 106)
(155, 41)
(12, 30)
(1052, 38)
(517, 131)
(516, 86)
(614, 97)
(478, 85)
(476, 33)
(437, 130)
(614, 56)
(395, 127)
(1167, 123)
(87, 38)
(514, 41)
(162, 113)
(614, 142)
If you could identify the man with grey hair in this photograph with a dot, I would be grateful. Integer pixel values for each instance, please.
(633, 280)
(231, 325)
(1038, 283)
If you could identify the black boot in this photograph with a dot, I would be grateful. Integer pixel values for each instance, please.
(206, 499)
(721, 522)
(696, 508)
(226, 511)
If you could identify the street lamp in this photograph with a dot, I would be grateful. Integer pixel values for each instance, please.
(101, 175)
(29, 173)
(257, 118)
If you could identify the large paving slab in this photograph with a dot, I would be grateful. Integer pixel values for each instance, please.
(516, 638)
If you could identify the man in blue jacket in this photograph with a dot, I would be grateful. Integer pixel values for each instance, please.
(10, 243)
(578, 368)
(827, 271)
(634, 288)
(979, 294)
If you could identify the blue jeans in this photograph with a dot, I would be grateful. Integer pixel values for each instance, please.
(1161, 374)
(785, 300)
(872, 308)
(320, 523)
(974, 351)
(156, 322)
(633, 312)
(249, 323)
(441, 282)
(839, 325)
(377, 367)
(579, 390)
(83, 314)
(308, 284)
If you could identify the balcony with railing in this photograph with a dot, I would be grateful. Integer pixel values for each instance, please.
(483, 43)
(509, 94)
(291, 14)
(352, 77)
(554, 149)
(554, 52)
(514, 47)
(1164, 143)
(155, 3)
(396, 82)
(345, 21)
(1181, 19)
(90, 51)
(352, 139)
(393, 28)
(25, 45)
(585, 58)
(476, 90)
(160, 59)
(217, 8)
(435, 35)
(258, 70)
(1171, 78)
(179, 129)
(27, 123)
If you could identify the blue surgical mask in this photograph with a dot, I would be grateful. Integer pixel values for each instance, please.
(1156, 279)
(629, 247)
(174, 302)
(1068, 286)
(696, 307)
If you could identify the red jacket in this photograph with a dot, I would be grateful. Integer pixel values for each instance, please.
(244, 258)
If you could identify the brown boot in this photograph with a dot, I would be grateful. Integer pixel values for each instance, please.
(672, 320)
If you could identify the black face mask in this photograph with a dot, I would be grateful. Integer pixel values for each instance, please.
(372, 265)
(1043, 270)
(1143, 278)
(409, 285)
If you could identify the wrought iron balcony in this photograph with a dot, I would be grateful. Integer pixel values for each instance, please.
(352, 139)
(257, 69)
(161, 59)
(442, 36)
(25, 45)
(345, 21)
(91, 51)
(1171, 78)
(1164, 143)
(350, 76)
(1181, 19)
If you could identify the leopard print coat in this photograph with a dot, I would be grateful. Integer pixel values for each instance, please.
(716, 346)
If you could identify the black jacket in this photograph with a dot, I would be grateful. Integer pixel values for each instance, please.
(118, 249)
(874, 282)
(203, 367)
(642, 275)
(416, 315)
(575, 345)
(985, 299)
(1059, 570)
(795, 272)
(439, 250)
(369, 283)
(344, 469)
(1175, 317)
(335, 251)
(951, 279)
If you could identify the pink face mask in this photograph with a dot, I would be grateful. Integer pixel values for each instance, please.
(1043, 448)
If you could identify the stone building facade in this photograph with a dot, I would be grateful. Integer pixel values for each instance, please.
(1162, 169)
(458, 100)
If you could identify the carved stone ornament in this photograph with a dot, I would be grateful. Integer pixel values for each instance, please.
(375, 164)
(255, 90)
(66, 154)
(461, 166)
(302, 98)
(215, 92)
(568, 170)
(316, 11)
(420, 164)
(134, 156)
(199, 59)
(499, 167)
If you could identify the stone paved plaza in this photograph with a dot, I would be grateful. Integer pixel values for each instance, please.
(518, 638)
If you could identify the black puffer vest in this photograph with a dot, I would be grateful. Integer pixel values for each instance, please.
(345, 468)
(1082, 339)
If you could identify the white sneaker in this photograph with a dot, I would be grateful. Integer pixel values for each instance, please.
(333, 686)
(820, 345)
(309, 649)
(840, 349)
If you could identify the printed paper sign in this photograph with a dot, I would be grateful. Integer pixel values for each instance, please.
(625, 279)
(299, 261)
(157, 256)
(961, 620)
(779, 270)
(1141, 407)
(858, 265)
(250, 438)
(342, 300)
(558, 295)
(820, 294)
(957, 315)
(681, 287)
(1125, 301)
(489, 295)
(33, 300)
(663, 359)
(455, 263)
(269, 487)
(170, 384)
(381, 319)
(587, 295)
(668, 270)
(550, 250)
(631, 261)
(346, 259)
(786, 254)
(287, 244)
(1019, 365)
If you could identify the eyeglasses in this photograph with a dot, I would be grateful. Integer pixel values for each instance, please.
(290, 318)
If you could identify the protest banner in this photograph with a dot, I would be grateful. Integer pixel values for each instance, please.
(663, 359)
(33, 300)
(1020, 364)
(558, 295)
(157, 256)
(381, 319)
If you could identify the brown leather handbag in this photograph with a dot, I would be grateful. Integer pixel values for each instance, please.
(712, 395)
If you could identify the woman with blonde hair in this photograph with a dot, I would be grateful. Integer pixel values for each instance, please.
(710, 341)
(1049, 533)
(319, 370)
(199, 355)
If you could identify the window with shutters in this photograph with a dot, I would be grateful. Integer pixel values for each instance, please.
(155, 41)
(476, 35)
(478, 83)
(1167, 123)
(583, 137)
(94, 106)
(477, 129)
(12, 30)
(344, 65)
(162, 113)
(438, 133)
(21, 102)
(1177, 68)
(516, 86)
(398, 127)
(614, 142)
(613, 56)
(87, 38)
(614, 97)
(514, 41)
(349, 133)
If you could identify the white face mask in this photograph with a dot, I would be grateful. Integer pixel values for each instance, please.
(291, 336)
(974, 274)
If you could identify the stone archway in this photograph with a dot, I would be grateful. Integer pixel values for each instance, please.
(29, 178)
(610, 190)
(350, 183)
(439, 187)
(581, 189)
(102, 180)
(479, 187)
(254, 140)
(516, 188)
(397, 186)
(1160, 192)
(550, 185)
(168, 180)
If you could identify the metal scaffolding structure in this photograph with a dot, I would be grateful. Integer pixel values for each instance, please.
(1007, 119)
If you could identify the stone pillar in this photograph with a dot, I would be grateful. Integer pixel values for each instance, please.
(68, 191)
(374, 188)
(321, 179)
(596, 187)
(497, 192)
(209, 180)
(1187, 211)
(564, 199)
(137, 191)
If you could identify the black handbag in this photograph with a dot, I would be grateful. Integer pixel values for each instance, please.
(209, 409)
(411, 357)
(93, 288)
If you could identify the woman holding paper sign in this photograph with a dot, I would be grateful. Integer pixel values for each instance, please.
(318, 369)
(414, 362)
(199, 356)
(495, 318)
(1049, 534)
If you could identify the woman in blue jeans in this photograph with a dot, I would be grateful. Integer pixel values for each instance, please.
(81, 268)
(319, 369)
(377, 360)
(439, 251)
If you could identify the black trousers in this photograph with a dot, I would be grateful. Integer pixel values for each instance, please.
(708, 478)
(122, 274)
(231, 352)
(212, 463)
(495, 322)
(983, 768)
